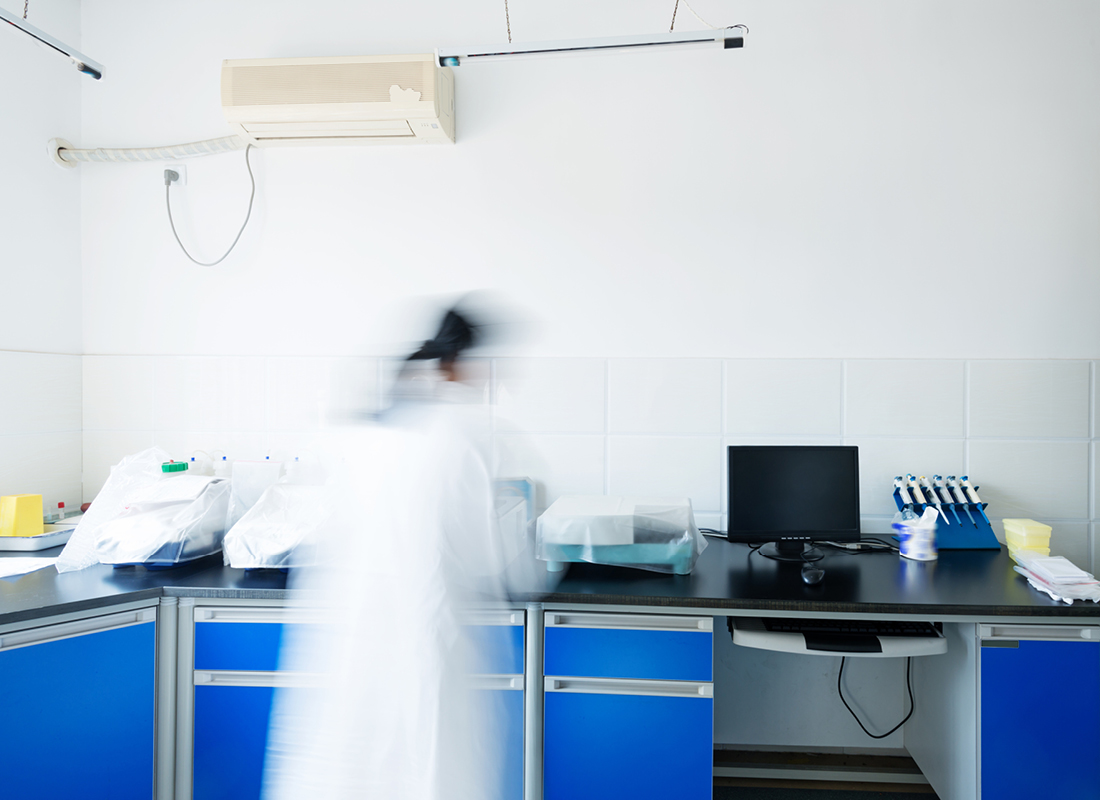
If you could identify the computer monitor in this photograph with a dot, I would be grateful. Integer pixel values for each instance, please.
(791, 496)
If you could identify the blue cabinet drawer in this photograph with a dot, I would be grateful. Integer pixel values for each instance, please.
(496, 649)
(600, 746)
(238, 645)
(77, 709)
(629, 646)
(230, 741)
(1040, 719)
(504, 707)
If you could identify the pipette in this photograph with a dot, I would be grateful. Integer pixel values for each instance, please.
(945, 496)
(960, 497)
(903, 493)
(929, 491)
(914, 489)
(972, 493)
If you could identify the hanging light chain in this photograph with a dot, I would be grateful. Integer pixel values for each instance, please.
(675, 8)
(508, 21)
(26, 5)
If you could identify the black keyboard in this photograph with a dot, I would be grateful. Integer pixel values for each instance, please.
(852, 627)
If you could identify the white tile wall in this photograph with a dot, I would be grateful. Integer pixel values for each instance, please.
(42, 463)
(209, 394)
(40, 421)
(561, 464)
(1094, 511)
(118, 393)
(40, 393)
(104, 449)
(1020, 429)
(1044, 480)
(1094, 428)
(1048, 399)
(245, 408)
(771, 397)
(664, 395)
(1094, 531)
(905, 398)
(552, 395)
(668, 466)
(880, 460)
(1071, 539)
(296, 393)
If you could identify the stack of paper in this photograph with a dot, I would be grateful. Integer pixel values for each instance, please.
(1058, 577)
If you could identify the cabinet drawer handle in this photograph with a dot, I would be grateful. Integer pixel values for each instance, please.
(1070, 633)
(67, 630)
(630, 686)
(635, 622)
(496, 682)
(492, 618)
(254, 614)
(276, 680)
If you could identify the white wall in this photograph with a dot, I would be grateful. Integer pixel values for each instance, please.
(40, 278)
(862, 180)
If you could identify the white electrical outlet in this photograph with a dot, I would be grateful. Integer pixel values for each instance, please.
(178, 167)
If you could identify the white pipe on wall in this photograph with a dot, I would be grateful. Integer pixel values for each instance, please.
(68, 156)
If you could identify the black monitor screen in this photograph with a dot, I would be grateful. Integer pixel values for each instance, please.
(809, 493)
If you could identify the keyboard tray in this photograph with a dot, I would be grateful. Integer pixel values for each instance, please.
(851, 638)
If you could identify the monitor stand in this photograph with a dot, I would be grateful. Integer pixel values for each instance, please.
(791, 550)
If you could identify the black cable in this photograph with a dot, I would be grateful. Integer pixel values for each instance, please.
(251, 197)
(908, 685)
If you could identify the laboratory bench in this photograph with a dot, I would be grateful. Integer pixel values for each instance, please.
(131, 683)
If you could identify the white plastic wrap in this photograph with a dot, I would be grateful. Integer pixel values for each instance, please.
(917, 535)
(250, 480)
(177, 519)
(1058, 577)
(129, 476)
(280, 530)
(657, 534)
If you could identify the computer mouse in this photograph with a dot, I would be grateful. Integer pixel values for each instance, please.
(812, 575)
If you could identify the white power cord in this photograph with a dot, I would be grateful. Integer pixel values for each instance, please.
(171, 176)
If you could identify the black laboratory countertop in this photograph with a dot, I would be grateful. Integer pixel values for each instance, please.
(962, 583)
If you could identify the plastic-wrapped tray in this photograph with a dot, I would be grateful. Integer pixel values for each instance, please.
(657, 534)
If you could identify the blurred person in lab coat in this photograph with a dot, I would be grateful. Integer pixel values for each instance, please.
(389, 713)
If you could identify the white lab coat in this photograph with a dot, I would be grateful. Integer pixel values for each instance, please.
(417, 539)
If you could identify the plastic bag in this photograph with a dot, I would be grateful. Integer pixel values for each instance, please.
(917, 535)
(250, 480)
(180, 518)
(653, 534)
(129, 476)
(280, 529)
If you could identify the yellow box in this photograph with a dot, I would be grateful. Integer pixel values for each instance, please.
(1025, 532)
(21, 515)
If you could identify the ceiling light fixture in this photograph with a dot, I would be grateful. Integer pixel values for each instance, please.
(82, 62)
(724, 38)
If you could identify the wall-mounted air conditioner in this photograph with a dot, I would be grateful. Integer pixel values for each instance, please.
(344, 100)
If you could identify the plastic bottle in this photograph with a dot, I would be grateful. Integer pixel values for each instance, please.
(200, 465)
(170, 468)
(223, 468)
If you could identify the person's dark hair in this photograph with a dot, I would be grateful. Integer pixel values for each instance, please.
(455, 335)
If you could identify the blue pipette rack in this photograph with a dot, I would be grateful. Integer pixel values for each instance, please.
(961, 526)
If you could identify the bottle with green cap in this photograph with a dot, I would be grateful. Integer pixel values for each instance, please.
(173, 467)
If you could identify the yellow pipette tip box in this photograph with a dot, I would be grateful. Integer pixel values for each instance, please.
(21, 515)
